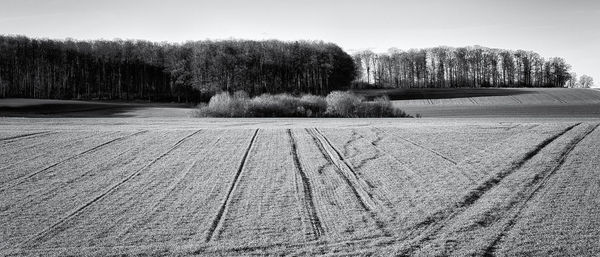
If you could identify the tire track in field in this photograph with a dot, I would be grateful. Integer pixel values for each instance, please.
(375, 144)
(363, 243)
(425, 148)
(21, 179)
(434, 223)
(177, 181)
(29, 135)
(112, 188)
(218, 220)
(349, 175)
(353, 138)
(537, 184)
(516, 99)
(377, 154)
(307, 197)
(38, 155)
(555, 98)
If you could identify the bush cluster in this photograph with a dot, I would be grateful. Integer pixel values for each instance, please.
(336, 104)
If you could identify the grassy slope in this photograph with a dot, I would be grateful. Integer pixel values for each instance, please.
(495, 102)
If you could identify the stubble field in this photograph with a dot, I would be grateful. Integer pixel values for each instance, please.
(299, 187)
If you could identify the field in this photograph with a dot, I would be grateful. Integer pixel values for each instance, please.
(278, 186)
(501, 186)
(495, 102)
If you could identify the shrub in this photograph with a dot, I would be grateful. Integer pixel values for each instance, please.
(285, 105)
(224, 105)
(269, 106)
(380, 107)
(336, 104)
(313, 105)
(342, 104)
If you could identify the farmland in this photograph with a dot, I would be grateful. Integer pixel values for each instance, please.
(299, 186)
(495, 102)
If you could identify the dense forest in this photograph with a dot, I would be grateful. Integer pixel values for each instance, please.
(447, 67)
(193, 71)
(41, 68)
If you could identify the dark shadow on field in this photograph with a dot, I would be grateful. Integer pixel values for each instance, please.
(67, 110)
(79, 109)
(437, 93)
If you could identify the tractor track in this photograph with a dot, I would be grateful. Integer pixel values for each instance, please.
(427, 149)
(434, 223)
(307, 195)
(556, 98)
(21, 179)
(25, 136)
(516, 99)
(31, 158)
(218, 220)
(536, 185)
(172, 187)
(99, 197)
(359, 187)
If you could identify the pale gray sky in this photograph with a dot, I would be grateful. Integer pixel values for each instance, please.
(568, 29)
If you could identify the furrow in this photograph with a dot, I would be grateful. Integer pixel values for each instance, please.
(307, 197)
(29, 135)
(487, 185)
(361, 197)
(350, 177)
(516, 99)
(434, 223)
(375, 144)
(112, 188)
(346, 164)
(428, 149)
(171, 188)
(490, 250)
(21, 179)
(22, 161)
(30, 158)
(556, 98)
(218, 220)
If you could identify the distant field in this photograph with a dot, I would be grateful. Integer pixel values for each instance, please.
(432, 103)
(299, 186)
(495, 102)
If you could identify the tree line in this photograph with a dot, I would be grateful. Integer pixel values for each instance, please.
(584, 81)
(448, 67)
(193, 71)
(118, 69)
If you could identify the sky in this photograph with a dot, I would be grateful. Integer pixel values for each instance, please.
(568, 29)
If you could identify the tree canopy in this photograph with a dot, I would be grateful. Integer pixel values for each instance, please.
(118, 69)
(447, 67)
(193, 71)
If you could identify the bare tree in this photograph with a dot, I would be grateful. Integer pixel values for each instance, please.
(586, 81)
(444, 67)
(572, 83)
